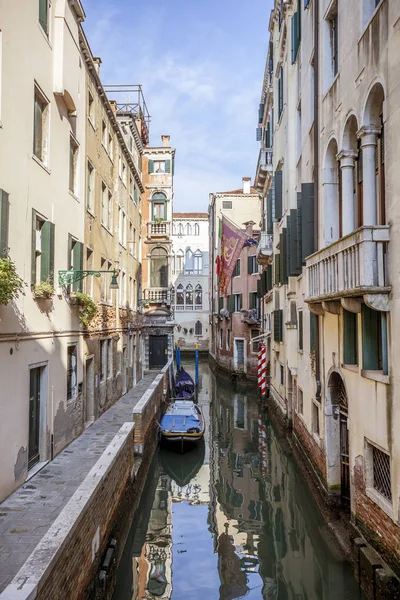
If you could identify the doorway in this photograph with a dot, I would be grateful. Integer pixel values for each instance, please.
(158, 351)
(89, 390)
(337, 438)
(239, 358)
(36, 414)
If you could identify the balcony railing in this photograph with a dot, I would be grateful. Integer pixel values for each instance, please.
(158, 229)
(265, 248)
(157, 295)
(352, 266)
(264, 168)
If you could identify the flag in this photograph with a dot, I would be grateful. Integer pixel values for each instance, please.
(218, 263)
(232, 242)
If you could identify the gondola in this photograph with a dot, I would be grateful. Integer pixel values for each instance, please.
(183, 420)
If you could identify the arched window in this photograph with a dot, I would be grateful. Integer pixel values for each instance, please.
(188, 261)
(198, 297)
(180, 297)
(174, 231)
(180, 229)
(198, 262)
(189, 297)
(159, 208)
(198, 328)
(196, 229)
(178, 262)
(188, 229)
(159, 268)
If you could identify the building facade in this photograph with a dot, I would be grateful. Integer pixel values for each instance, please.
(156, 298)
(235, 320)
(42, 137)
(327, 172)
(190, 271)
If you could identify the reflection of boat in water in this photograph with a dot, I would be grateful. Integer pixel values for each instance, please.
(183, 469)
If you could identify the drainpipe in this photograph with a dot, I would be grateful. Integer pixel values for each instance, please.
(316, 181)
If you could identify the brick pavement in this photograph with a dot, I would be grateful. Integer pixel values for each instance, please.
(28, 513)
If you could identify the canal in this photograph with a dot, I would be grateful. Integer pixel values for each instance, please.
(232, 518)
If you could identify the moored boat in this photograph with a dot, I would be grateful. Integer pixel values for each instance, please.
(182, 422)
(184, 385)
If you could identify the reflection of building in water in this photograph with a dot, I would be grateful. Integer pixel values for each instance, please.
(263, 520)
(153, 569)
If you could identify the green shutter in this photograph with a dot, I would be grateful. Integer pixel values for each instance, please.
(270, 227)
(151, 166)
(77, 264)
(269, 278)
(220, 303)
(259, 291)
(33, 248)
(283, 261)
(300, 326)
(288, 245)
(295, 36)
(313, 340)
(168, 166)
(307, 217)
(299, 256)
(370, 338)
(278, 195)
(4, 218)
(47, 252)
(43, 7)
(278, 325)
(350, 338)
(294, 267)
(277, 272)
(385, 360)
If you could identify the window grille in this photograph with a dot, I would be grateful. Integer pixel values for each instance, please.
(381, 469)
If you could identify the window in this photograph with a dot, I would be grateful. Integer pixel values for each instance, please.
(350, 342)
(220, 338)
(227, 204)
(180, 229)
(122, 292)
(196, 229)
(278, 325)
(228, 339)
(159, 166)
(91, 116)
(106, 207)
(236, 270)
(159, 268)
(180, 298)
(104, 135)
(40, 126)
(252, 266)
(374, 340)
(369, 7)
(198, 328)
(103, 360)
(110, 147)
(313, 327)
(300, 406)
(89, 267)
(44, 15)
(72, 386)
(188, 261)
(331, 54)
(73, 161)
(237, 302)
(90, 183)
(296, 33)
(198, 262)
(300, 330)
(281, 375)
(105, 265)
(110, 366)
(159, 201)
(123, 173)
(4, 217)
(254, 333)
(280, 94)
(378, 471)
(254, 301)
(122, 226)
(315, 418)
(42, 250)
(75, 255)
(189, 297)
(198, 297)
(188, 229)
(179, 262)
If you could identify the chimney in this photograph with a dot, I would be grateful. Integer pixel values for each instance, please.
(165, 140)
(246, 185)
(249, 226)
(97, 63)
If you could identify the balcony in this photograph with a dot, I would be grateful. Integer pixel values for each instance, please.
(353, 267)
(157, 229)
(157, 295)
(265, 249)
(264, 169)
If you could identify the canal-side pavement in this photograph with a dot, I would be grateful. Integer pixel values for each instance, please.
(26, 515)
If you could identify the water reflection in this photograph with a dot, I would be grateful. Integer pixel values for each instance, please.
(231, 518)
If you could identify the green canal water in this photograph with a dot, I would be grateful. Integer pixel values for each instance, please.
(231, 518)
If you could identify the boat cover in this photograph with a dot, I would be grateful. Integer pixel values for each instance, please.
(179, 422)
(184, 385)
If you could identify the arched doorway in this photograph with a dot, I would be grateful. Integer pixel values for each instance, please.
(337, 436)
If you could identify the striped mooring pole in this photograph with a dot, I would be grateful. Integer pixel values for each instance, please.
(259, 367)
(263, 370)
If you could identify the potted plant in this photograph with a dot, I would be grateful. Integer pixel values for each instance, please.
(43, 290)
(87, 308)
(11, 284)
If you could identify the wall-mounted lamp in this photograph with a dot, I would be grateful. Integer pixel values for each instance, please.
(73, 276)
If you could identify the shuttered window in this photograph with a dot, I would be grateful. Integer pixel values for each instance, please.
(300, 327)
(44, 15)
(236, 270)
(278, 325)
(253, 300)
(4, 218)
(313, 330)
(252, 265)
(283, 260)
(280, 94)
(277, 269)
(238, 302)
(220, 303)
(295, 35)
(278, 195)
(151, 166)
(168, 166)
(231, 303)
(269, 278)
(374, 340)
(350, 343)
(42, 265)
(75, 260)
(270, 228)
(299, 255)
(307, 220)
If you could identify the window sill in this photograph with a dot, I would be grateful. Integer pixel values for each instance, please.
(74, 196)
(91, 213)
(41, 164)
(106, 228)
(375, 376)
(105, 303)
(334, 80)
(381, 501)
(92, 124)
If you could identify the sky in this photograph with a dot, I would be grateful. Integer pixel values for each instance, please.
(201, 64)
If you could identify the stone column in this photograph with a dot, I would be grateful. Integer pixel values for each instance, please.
(368, 148)
(347, 158)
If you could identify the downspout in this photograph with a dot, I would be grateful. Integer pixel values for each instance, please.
(316, 183)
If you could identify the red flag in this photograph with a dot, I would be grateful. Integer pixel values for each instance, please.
(218, 262)
(232, 242)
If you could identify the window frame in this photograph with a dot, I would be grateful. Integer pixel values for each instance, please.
(43, 141)
(73, 165)
(72, 391)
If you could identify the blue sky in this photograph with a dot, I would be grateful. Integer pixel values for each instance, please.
(201, 64)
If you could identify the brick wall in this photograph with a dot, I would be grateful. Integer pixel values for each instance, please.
(377, 527)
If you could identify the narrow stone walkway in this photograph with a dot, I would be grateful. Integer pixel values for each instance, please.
(27, 514)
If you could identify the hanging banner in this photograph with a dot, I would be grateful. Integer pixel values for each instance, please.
(232, 242)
